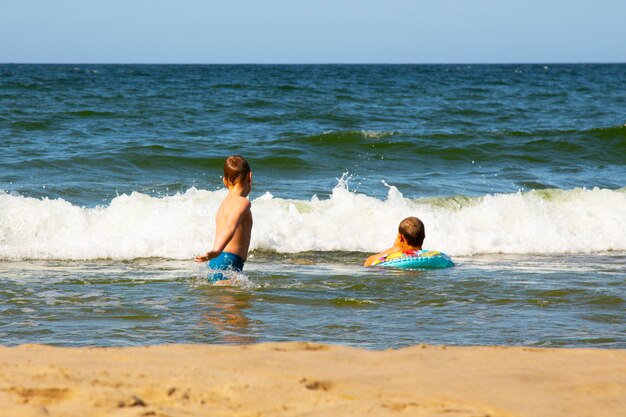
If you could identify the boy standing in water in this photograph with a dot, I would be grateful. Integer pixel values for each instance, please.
(233, 222)
(410, 237)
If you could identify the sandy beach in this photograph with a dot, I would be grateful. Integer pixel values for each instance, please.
(306, 379)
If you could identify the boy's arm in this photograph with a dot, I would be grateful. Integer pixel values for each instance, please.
(228, 231)
(372, 258)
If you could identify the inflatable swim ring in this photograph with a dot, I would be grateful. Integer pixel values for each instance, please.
(415, 259)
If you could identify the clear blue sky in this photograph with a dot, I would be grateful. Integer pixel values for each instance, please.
(312, 31)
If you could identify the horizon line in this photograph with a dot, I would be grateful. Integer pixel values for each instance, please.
(318, 63)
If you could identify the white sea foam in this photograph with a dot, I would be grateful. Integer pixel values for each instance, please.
(374, 134)
(179, 226)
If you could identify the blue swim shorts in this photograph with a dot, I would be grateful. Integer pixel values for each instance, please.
(226, 261)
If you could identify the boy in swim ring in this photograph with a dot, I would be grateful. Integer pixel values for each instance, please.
(410, 237)
(233, 223)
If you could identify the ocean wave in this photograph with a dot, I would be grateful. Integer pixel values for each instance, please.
(618, 131)
(346, 137)
(137, 225)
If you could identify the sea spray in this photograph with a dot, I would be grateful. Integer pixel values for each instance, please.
(137, 225)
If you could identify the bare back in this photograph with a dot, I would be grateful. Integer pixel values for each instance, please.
(235, 210)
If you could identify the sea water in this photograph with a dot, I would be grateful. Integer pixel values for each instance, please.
(110, 177)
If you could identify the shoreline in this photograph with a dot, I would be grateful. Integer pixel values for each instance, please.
(309, 379)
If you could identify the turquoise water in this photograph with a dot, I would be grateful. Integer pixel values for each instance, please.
(110, 176)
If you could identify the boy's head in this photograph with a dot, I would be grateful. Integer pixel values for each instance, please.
(413, 232)
(236, 170)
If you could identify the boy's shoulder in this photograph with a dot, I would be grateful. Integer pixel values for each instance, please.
(246, 203)
(238, 201)
(244, 200)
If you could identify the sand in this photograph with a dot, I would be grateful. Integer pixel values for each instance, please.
(305, 379)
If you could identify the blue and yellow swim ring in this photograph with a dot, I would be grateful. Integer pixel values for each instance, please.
(415, 259)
